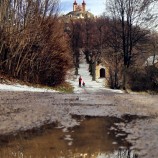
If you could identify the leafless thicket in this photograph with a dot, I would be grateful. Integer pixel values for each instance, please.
(131, 22)
(33, 46)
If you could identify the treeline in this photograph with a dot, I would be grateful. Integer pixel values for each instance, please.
(33, 45)
(122, 40)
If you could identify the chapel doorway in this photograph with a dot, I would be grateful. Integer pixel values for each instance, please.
(102, 73)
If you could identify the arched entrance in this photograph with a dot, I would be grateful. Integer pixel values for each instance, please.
(102, 72)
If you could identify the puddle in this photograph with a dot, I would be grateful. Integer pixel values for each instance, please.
(92, 139)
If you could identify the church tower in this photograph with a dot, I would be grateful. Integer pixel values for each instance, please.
(83, 6)
(74, 5)
(79, 11)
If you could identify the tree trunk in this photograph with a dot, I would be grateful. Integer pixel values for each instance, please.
(76, 71)
(93, 71)
(124, 77)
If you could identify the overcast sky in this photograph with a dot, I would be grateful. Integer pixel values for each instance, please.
(96, 7)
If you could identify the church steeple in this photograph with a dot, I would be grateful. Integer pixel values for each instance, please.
(75, 2)
(83, 6)
(83, 2)
(77, 7)
(74, 5)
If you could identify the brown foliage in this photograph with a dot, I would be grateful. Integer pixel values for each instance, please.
(34, 48)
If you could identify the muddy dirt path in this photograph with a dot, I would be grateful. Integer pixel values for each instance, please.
(20, 111)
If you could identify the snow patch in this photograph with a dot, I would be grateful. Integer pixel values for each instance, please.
(18, 87)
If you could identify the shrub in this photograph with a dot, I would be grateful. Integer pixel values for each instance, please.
(143, 79)
(33, 45)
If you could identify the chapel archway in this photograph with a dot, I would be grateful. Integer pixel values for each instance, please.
(102, 73)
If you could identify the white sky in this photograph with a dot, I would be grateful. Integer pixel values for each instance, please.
(96, 7)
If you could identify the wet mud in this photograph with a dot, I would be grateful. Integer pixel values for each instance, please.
(94, 137)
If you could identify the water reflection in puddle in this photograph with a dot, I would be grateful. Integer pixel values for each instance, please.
(91, 139)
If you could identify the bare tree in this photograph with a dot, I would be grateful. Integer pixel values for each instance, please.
(154, 46)
(111, 51)
(74, 29)
(33, 46)
(134, 17)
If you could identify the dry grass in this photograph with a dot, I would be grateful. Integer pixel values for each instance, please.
(64, 87)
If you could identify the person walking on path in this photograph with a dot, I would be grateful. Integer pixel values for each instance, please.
(83, 84)
(80, 80)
